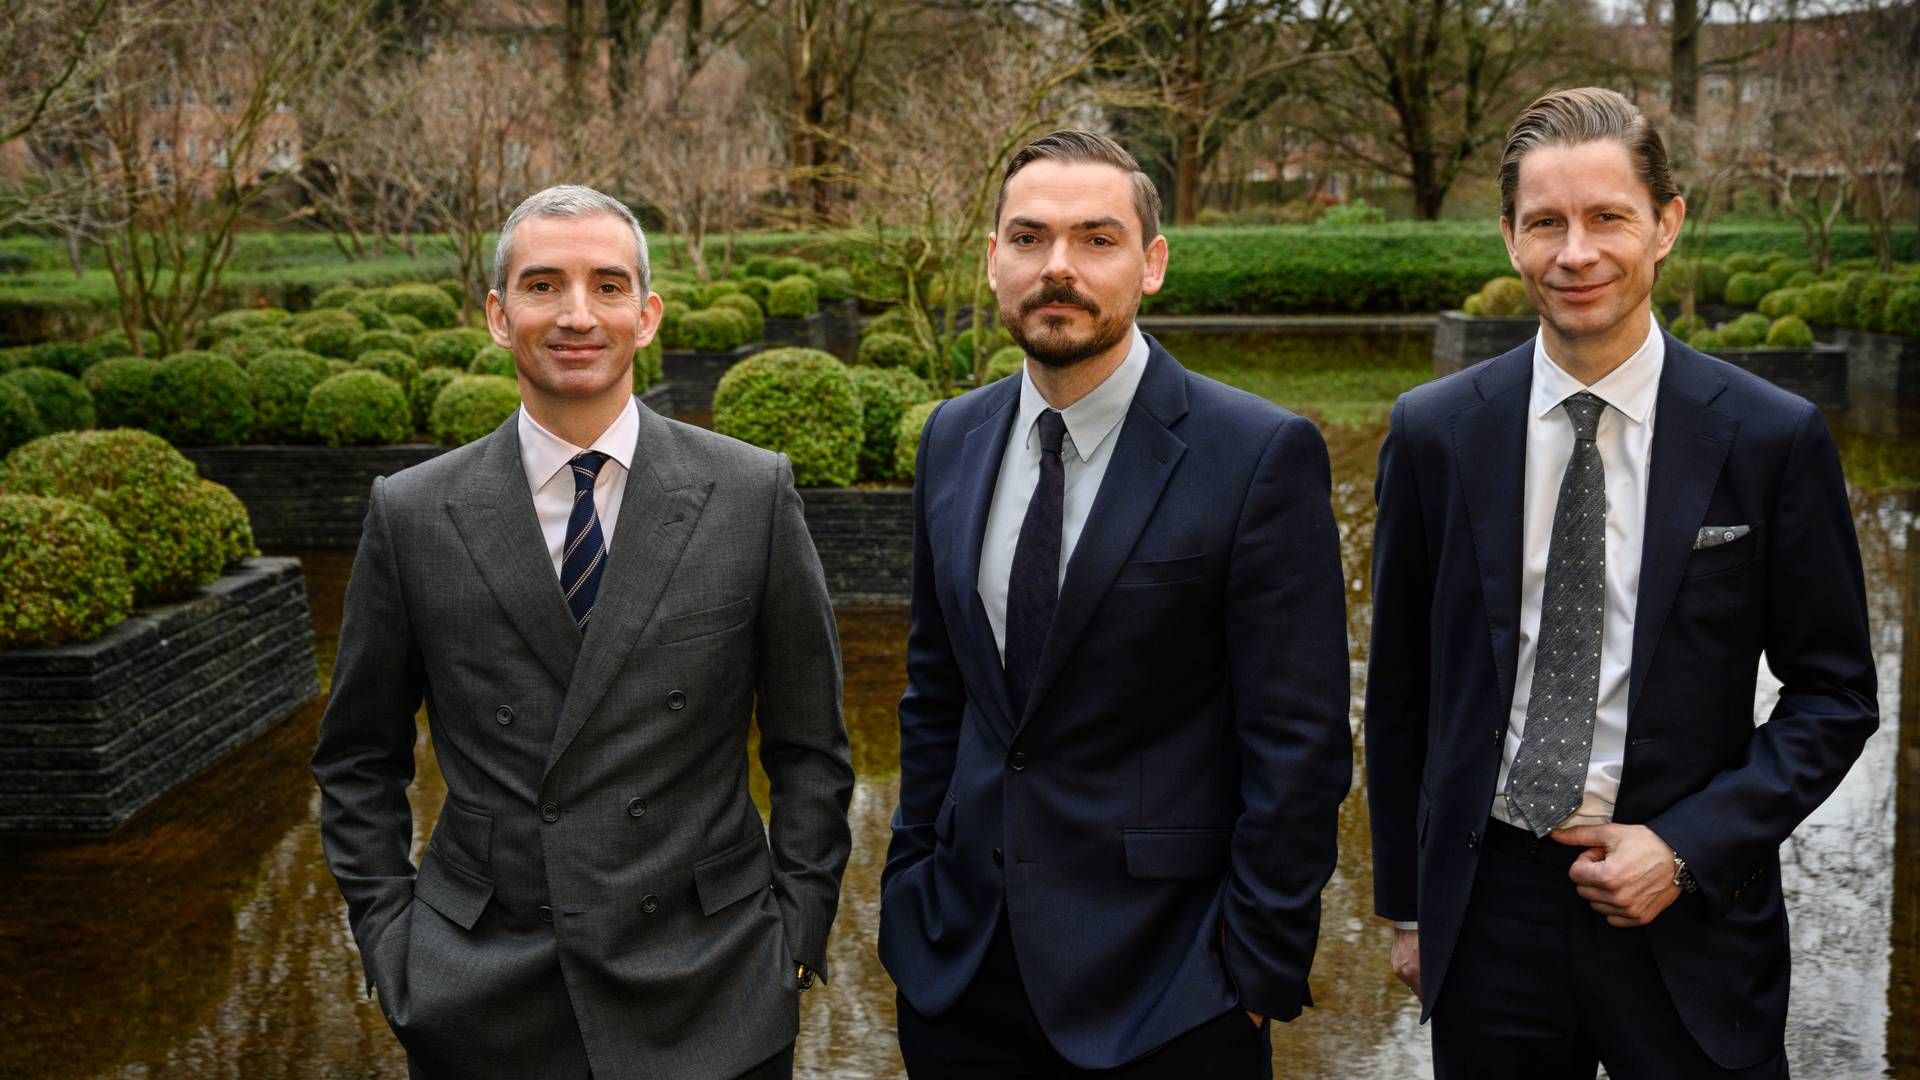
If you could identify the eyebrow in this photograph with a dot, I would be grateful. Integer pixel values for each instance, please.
(1089, 225)
(620, 272)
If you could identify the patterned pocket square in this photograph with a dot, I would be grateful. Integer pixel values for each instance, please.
(1715, 535)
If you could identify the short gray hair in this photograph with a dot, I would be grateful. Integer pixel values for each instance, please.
(566, 200)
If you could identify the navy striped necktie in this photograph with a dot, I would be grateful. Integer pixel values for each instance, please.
(586, 552)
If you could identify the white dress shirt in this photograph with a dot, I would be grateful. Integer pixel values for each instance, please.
(1624, 436)
(545, 455)
(1093, 427)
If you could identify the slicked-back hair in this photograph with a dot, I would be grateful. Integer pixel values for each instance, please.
(1073, 146)
(567, 201)
(1583, 115)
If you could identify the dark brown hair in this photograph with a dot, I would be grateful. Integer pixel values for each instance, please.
(1583, 115)
(1073, 146)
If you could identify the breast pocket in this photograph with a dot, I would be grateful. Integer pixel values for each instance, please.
(695, 624)
(1720, 558)
(1161, 571)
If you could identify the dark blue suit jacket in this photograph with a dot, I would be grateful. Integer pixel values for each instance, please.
(1728, 449)
(1167, 804)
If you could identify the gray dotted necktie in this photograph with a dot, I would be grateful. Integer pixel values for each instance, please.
(1549, 774)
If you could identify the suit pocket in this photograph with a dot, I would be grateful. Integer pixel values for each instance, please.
(943, 821)
(733, 875)
(456, 893)
(1176, 854)
(464, 837)
(1720, 558)
(1160, 571)
(706, 621)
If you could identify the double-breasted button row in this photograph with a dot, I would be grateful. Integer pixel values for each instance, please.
(637, 807)
(546, 914)
(649, 904)
(549, 812)
(504, 714)
(676, 700)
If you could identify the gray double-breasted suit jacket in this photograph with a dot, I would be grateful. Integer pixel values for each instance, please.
(598, 892)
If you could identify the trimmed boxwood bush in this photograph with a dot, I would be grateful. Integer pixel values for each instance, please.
(432, 306)
(1819, 303)
(455, 291)
(1008, 361)
(336, 366)
(1708, 276)
(62, 401)
(282, 380)
(749, 309)
(406, 324)
(835, 284)
(1748, 331)
(1902, 314)
(800, 402)
(1789, 332)
(358, 408)
(1779, 302)
(397, 366)
(327, 331)
(426, 389)
(671, 312)
(122, 390)
(1685, 326)
(389, 340)
(895, 320)
(450, 348)
(760, 266)
(961, 352)
(757, 286)
(1785, 270)
(793, 297)
(712, 330)
(19, 420)
(646, 364)
(790, 266)
(336, 297)
(1744, 262)
(890, 350)
(493, 360)
(200, 399)
(472, 406)
(65, 570)
(1863, 300)
(369, 313)
(242, 321)
(117, 343)
(1746, 288)
(242, 348)
(1707, 341)
(66, 357)
(906, 438)
(1501, 298)
(885, 394)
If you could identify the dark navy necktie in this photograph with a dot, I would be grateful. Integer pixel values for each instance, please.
(1033, 587)
(585, 557)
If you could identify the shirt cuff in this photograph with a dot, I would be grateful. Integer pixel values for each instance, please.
(1406, 925)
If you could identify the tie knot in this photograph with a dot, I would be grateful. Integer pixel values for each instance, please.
(1584, 410)
(1053, 431)
(585, 468)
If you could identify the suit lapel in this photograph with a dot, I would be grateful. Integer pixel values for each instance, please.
(1143, 460)
(1490, 453)
(497, 522)
(659, 508)
(1690, 444)
(980, 455)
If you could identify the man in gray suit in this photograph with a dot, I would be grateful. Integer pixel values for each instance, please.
(594, 602)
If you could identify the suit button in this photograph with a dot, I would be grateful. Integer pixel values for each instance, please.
(676, 700)
(1473, 839)
(649, 903)
(549, 812)
(999, 859)
(1016, 761)
(504, 714)
(1736, 894)
(637, 807)
(546, 914)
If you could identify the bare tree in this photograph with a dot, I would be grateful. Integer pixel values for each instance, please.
(825, 48)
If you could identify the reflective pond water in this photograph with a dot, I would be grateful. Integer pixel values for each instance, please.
(206, 939)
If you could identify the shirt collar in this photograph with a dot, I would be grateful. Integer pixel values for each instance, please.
(543, 454)
(1630, 388)
(1091, 419)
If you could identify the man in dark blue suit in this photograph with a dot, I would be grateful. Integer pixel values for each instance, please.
(1124, 740)
(1583, 547)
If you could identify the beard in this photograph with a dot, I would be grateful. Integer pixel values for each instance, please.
(1051, 343)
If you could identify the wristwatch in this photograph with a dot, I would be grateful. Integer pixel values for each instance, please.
(803, 977)
(1683, 877)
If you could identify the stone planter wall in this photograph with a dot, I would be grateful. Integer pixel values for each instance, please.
(1882, 365)
(693, 375)
(1461, 341)
(865, 540)
(840, 328)
(1818, 374)
(91, 733)
(805, 332)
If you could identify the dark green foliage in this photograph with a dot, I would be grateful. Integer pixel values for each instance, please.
(450, 348)
(117, 343)
(800, 402)
(389, 340)
(757, 286)
(747, 307)
(1819, 303)
(1008, 361)
(1789, 332)
(472, 406)
(1744, 262)
(395, 365)
(1863, 300)
(890, 350)
(1748, 331)
(1501, 297)
(712, 330)
(790, 266)
(282, 380)
(200, 399)
(426, 389)
(1801, 278)
(368, 311)
(327, 331)
(895, 320)
(1902, 315)
(19, 420)
(671, 312)
(793, 297)
(1785, 270)
(407, 325)
(1708, 277)
(906, 438)
(1685, 326)
(493, 360)
(67, 357)
(1707, 341)
(61, 400)
(242, 321)
(455, 291)
(760, 266)
(242, 348)
(1747, 287)
(358, 408)
(646, 365)
(432, 306)
(336, 296)
(962, 352)
(122, 390)
(336, 366)
(1779, 302)
(65, 571)
(884, 394)
(835, 284)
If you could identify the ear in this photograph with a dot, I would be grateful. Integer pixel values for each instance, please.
(497, 320)
(652, 310)
(993, 245)
(1672, 217)
(1156, 274)
(1506, 237)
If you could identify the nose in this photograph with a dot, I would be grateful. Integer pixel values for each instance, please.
(1579, 251)
(1059, 268)
(576, 312)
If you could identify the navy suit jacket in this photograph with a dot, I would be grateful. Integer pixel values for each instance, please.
(1728, 449)
(1165, 808)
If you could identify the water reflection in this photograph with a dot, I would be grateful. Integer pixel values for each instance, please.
(206, 939)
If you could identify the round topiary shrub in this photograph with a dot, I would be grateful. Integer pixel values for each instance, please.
(1863, 299)
(1008, 361)
(1744, 262)
(1749, 331)
(19, 420)
(1819, 303)
(1785, 270)
(1800, 279)
(1504, 298)
(200, 399)
(1779, 302)
(426, 390)
(493, 360)
(800, 402)
(712, 330)
(962, 352)
(835, 284)
(1902, 313)
(242, 321)
(1747, 287)
(117, 343)
(122, 390)
(388, 340)
(368, 312)
(336, 296)
(749, 309)
(1789, 332)
(358, 408)
(455, 291)
(646, 364)
(450, 348)
(282, 381)
(885, 394)
(890, 350)
(1707, 341)
(760, 266)
(906, 438)
(784, 266)
(66, 357)
(65, 571)
(61, 400)
(242, 348)
(433, 307)
(406, 324)
(397, 366)
(327, 331)
(1685, 326)
(1708, 277)
(1473, 308)
(793, 297)
(337, 367)
(758, 286)
(472, 406)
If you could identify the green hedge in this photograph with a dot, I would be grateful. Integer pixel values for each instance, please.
(282, 381)
(398, 366)
(426, 390)
(906, 439)
(885, 394)
(19, 420)
(387, 340)
(493, 360)
(200, 399)
(749, 309)
(358, 408)
(242, 348)
(428, 303)
(890, 350)
(801, 402)
(1788, 332)
(451, 348)
(472, 406)
(122, 390)
(327, 331)
(61, 400)
(793, 297)
(712, 330)
(1008, 361)
(65, 570)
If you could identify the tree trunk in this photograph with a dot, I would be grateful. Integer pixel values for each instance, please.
(575, 50)
(1684, 58)
(1186, 177)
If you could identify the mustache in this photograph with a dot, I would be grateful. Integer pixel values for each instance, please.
(1057, 294)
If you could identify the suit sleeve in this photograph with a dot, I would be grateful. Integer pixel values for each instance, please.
(931, 708)
(1398, 661)
(803, 735)
(1817, 646)
(364, 759)
(1288, 666)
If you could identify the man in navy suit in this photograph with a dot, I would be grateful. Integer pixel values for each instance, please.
(1124, 740)
(1583, 547)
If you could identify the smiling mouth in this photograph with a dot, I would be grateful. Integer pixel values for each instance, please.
(1581, 292)
(575, 349)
